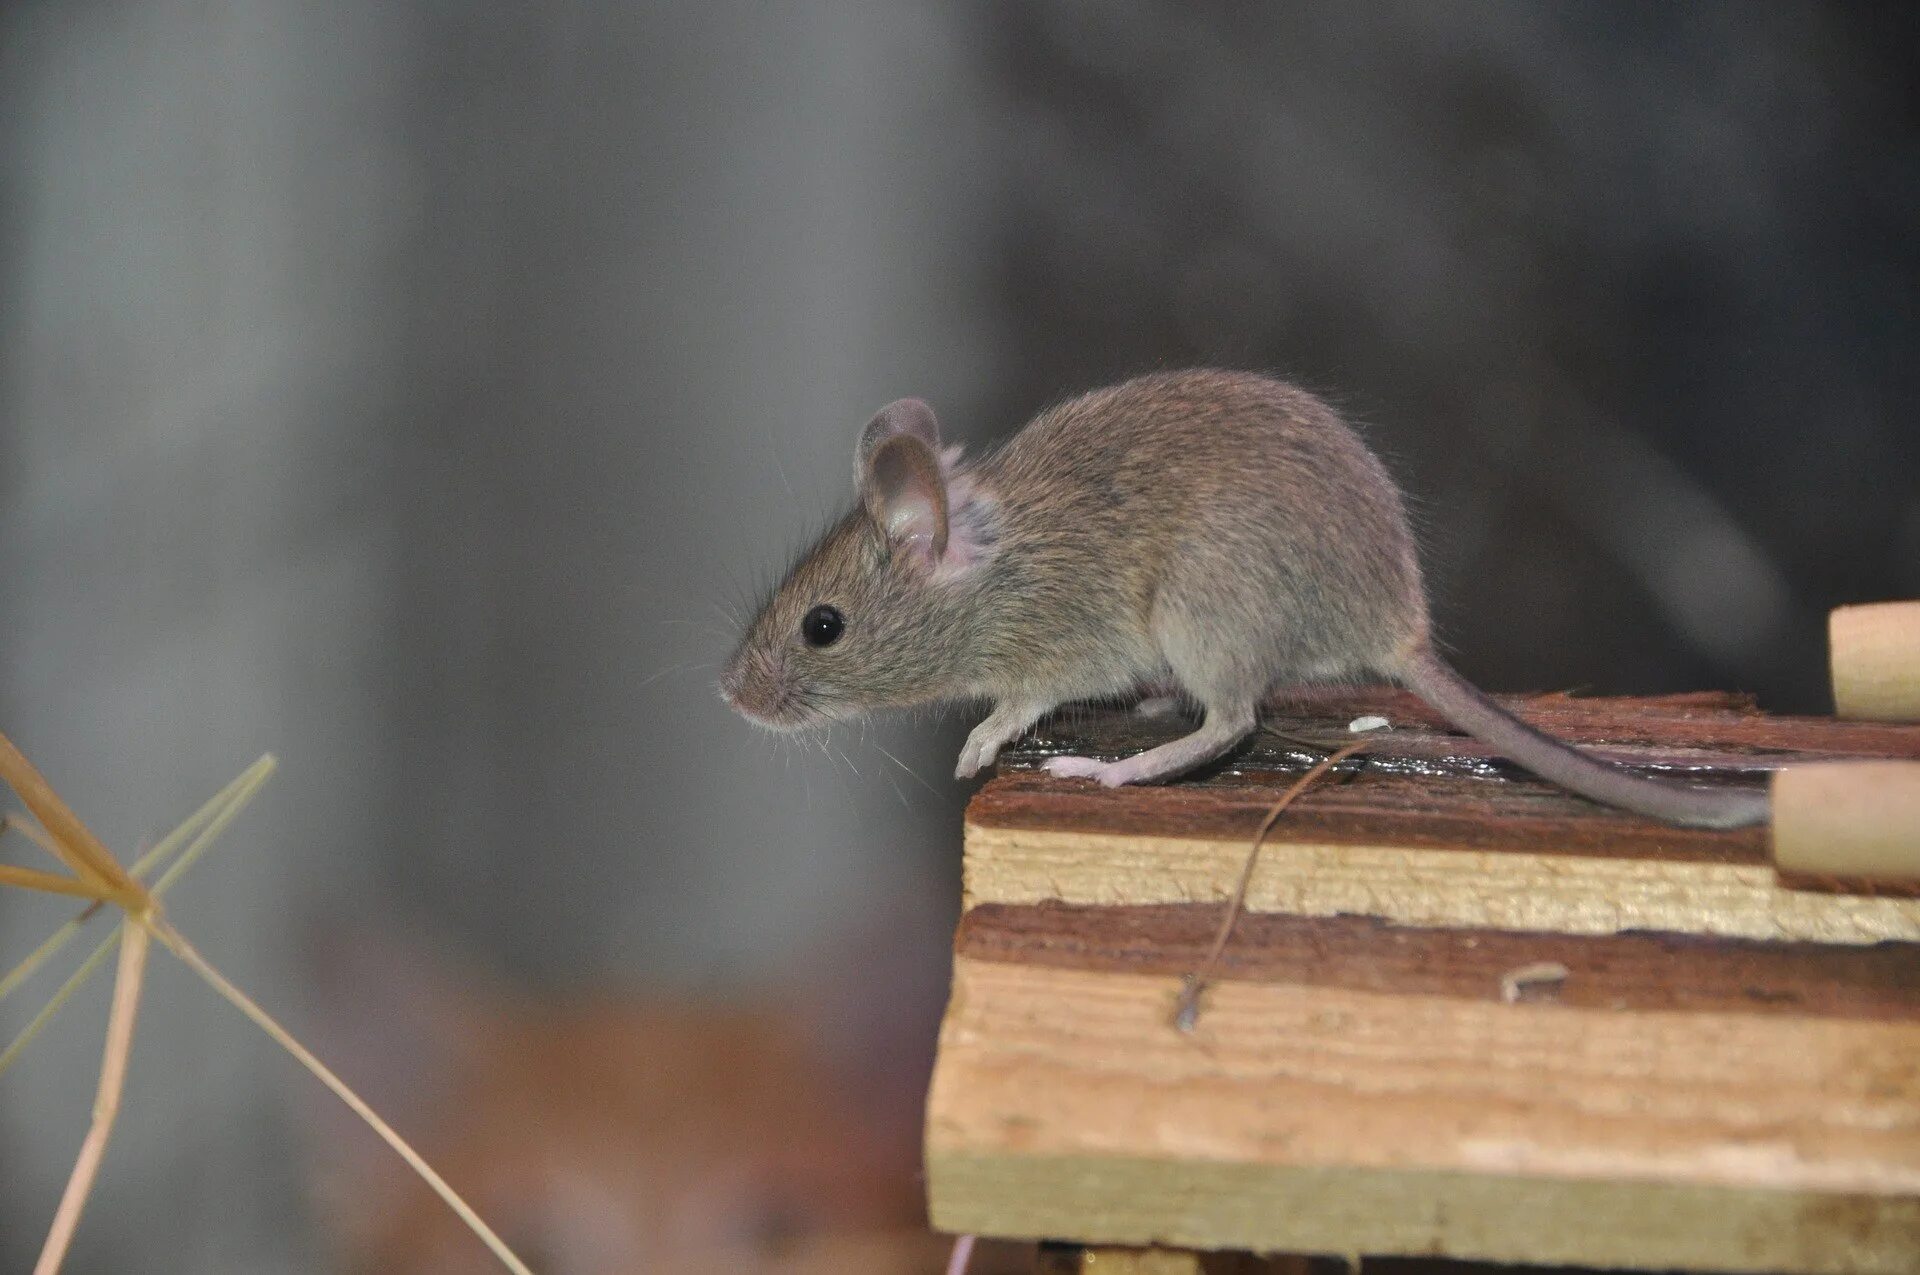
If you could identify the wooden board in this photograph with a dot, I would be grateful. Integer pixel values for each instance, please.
(1727, 1077)
(1764, 1125)
(1425, 830)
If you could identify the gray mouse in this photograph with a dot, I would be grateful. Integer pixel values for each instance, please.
(1222, 534)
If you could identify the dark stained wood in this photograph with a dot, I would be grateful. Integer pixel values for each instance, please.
(1360, 803)
(1419, 785)
(1634, 971)
(1057, 1259)
(1870, 887)
(1690, 732)
(1071, 1259)
(1699, 720)
(1444, 1266)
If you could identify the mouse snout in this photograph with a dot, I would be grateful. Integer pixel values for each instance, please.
(754, 685)
(731, 681)
(737, 683)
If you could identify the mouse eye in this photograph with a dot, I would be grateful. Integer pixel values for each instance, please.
(822, 626)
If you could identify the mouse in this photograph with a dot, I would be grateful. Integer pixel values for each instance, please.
(1219, 535)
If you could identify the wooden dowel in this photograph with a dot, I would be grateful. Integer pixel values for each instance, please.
(1849, 819)
(1875, 653)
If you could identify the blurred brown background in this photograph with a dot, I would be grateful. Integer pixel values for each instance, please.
(412, 390)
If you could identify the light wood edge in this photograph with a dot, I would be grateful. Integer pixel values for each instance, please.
(1874, 654)
(1285, 1075)
(1587, 1223)
(1504, 890)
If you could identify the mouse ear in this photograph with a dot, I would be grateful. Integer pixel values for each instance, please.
(908, 416)
(906, 494)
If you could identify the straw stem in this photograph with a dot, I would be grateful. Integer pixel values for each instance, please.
(73, 840)
(127, 982)
(180, 947)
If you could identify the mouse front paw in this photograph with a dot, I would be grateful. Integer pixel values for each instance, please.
(975, 757)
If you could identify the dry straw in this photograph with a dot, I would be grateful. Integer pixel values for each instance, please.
(95, 875)
(1186, 1007)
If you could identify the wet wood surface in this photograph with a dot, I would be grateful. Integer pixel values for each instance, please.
(1422, 784)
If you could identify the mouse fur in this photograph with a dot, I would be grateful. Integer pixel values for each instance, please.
(1222, 534)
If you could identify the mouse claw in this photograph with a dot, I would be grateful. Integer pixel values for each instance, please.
(975, 758)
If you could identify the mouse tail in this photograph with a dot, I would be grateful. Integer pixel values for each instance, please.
(1470, 709)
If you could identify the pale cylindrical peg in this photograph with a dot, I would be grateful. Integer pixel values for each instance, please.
(1875, 652)
(1848, 819)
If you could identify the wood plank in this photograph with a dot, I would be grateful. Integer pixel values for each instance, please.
(1421, 831)
(1591, 1225)
(1363, 802)
(1554, 889)
(1725, 1078)
(1315, 1118)
(1640, 971)
(1702, 730)
(1422, 785)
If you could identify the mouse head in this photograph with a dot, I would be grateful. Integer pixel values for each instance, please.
(877, 613)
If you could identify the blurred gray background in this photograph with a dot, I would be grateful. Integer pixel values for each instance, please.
(416, 391)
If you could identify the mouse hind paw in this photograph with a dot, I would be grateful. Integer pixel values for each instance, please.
(1219, 734)
(1082, 768)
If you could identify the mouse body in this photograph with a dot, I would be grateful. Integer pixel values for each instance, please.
(1220, 534)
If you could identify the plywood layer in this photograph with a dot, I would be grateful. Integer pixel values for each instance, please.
(1423, 831)
(1726, 1078)
(1309, 1116)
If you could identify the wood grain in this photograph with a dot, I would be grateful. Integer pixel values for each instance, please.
(1685, 732)
(1363, 802)
(1322, 1119)
(1727, 1077)
(1874, 652)
(1625, 972)
(1855, 819)
(1551, 890)
(1420, 833)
